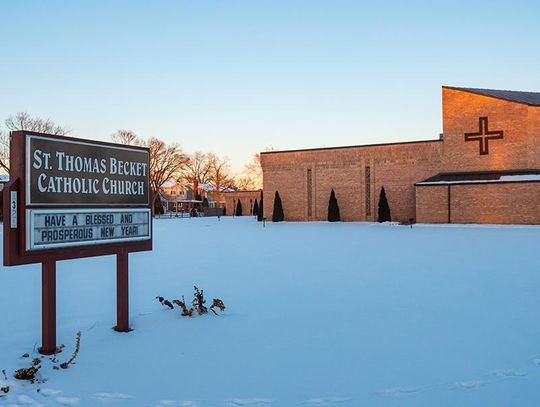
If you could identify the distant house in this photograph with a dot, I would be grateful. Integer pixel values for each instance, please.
(178, 198)
(209, 192)
(172, 188)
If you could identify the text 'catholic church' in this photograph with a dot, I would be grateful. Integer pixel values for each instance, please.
(485, 168)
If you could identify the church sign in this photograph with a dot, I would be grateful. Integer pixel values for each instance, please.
(70, 198)
(50, 228)
(65, 172)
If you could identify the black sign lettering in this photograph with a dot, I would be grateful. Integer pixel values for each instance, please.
(60, 227)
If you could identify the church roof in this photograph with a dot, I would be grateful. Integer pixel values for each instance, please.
(527, 98)
(482, 177)
(395, 143)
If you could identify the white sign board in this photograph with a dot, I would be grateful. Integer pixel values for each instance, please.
(55, 228)
(13, 209)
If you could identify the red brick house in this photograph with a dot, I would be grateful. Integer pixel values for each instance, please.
(484, 168)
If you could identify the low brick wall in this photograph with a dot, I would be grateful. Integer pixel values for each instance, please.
(432, 204)
(246, 197)
(497, 203)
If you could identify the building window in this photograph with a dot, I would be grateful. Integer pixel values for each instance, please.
(368, 191)
(309, 193)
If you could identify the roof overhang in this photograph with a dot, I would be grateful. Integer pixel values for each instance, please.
(482, 177)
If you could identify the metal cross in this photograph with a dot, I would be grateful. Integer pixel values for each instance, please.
(484, 135)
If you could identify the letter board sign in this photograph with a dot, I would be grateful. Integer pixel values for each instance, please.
(50, 228)
(71, 198)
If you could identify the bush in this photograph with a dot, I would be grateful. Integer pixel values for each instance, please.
(158, 208)
(260, 213)
(27, 373)
(333, 208)
(255, 208)
(198, 304)
(384, 208)
(277, 215)
(239, 208)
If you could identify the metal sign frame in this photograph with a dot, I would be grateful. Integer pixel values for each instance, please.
(15, 247)
(16, 252)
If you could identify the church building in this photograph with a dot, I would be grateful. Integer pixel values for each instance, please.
(484, 168)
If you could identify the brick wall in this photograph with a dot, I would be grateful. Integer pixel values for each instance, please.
(399, 166)
(498, 203)
(432, 204)
(504, 203)
(246, 197)
(534, 134)
(396, 167)
(461, 111)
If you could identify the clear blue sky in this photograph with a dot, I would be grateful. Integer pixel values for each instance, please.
(233, 77)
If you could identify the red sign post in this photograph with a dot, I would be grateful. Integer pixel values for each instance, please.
(70, 198)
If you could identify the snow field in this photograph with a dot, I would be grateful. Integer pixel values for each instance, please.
(318, 314)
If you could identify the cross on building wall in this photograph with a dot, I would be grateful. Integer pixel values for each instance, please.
(484, 135)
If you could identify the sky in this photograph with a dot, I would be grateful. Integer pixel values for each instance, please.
(237, 77)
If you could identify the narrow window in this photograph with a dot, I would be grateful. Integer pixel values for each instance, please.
(368, 191)
(309, 193)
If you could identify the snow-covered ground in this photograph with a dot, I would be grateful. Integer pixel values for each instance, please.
(319, 314)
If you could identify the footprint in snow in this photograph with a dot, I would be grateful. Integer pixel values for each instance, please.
(64, 401)
(49, 392)
(25, 400)
(470, 384)
(399, 391)
(176, 403)
(325, 401)
(504, 373)
(249, 402)
(536, 360)
(92, 326)
(67, 401)
(107, 397)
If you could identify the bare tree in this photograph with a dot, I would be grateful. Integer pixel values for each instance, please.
(252, 177)
(246, 183)
(4, 151)
(197, 168)
(220, 177)
(126, 137)
(166, 162)
(23, 121)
